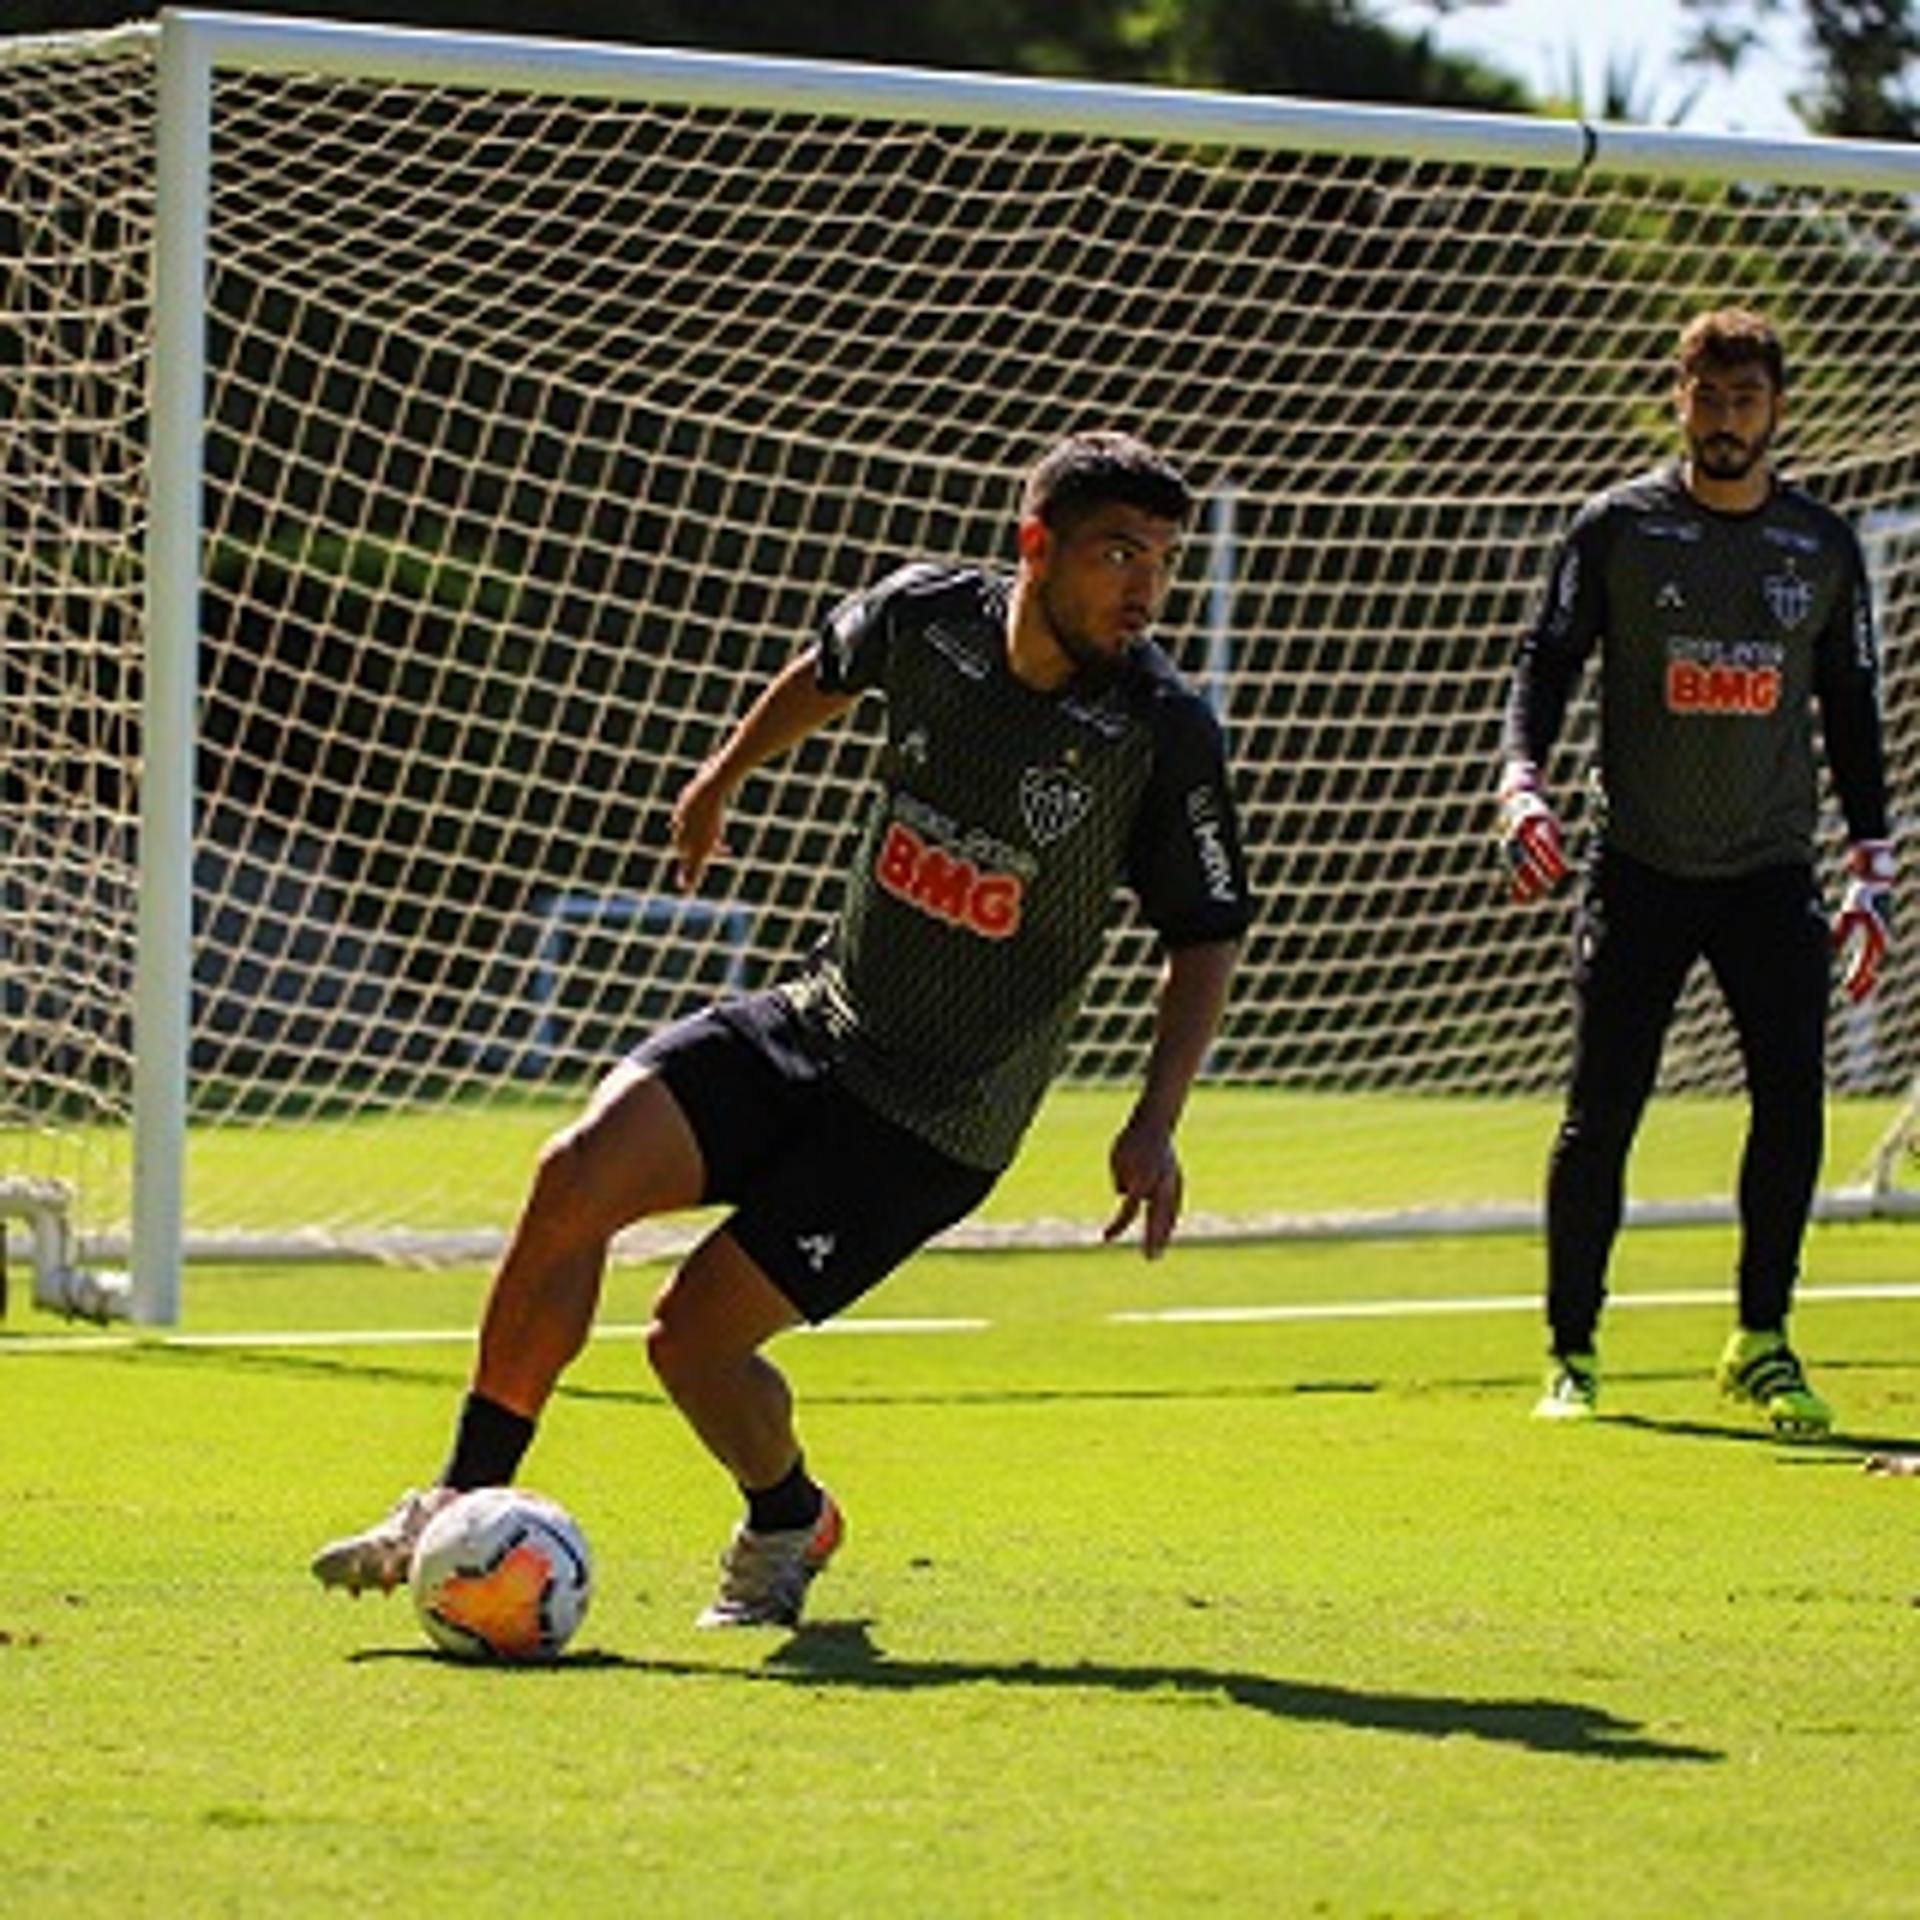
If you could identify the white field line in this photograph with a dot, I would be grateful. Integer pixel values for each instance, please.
(1162, 1316)
(406, 1336)
(1483, 1303)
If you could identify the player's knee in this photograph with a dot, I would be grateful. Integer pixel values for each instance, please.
(560, 1202)
(1597, 1136)
(555, 1168)
(672, 1351)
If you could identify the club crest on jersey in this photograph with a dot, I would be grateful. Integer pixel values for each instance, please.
(1789, 598)
(946, 886)
(1052, 803)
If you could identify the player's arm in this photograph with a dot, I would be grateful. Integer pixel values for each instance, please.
(791, 706)
(1145, 1166)
(1546, 670)
(1188, 869)
(1847, 680)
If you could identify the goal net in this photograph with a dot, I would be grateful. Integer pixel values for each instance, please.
(552, 393)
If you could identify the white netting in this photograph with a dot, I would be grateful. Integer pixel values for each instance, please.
(541, 431)
(76, 164)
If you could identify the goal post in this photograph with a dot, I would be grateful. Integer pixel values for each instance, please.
(414, 448)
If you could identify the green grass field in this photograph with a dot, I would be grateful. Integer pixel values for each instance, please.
(1252, 1150)
(1275, 1617)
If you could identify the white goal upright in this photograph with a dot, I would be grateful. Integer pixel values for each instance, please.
(414, 448)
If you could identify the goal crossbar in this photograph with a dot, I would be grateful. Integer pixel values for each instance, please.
(931, 97)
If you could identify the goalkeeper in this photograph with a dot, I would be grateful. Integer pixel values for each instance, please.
(1725, 604)
(1040, 752)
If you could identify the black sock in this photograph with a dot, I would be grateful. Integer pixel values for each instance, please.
(488, 1445)
(788, 1505)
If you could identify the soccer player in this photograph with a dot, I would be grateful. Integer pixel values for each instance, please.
(1725, 603)
(1040, 753)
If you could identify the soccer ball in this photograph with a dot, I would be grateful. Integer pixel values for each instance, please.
(501, 1574)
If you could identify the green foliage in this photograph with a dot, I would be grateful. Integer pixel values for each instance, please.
(435, 568)
(1866, 57)
(1331, 48)
(1867, 72)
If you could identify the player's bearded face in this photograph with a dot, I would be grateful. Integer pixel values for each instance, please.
(1729, 420)
(1101, 584)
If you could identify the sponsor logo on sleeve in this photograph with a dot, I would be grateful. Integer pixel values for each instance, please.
(1866, 646)
(1210, 844)
(1566, 589)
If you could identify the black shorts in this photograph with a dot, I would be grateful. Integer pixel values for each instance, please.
(828, 1197)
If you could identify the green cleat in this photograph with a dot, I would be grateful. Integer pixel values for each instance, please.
(1573, 1389)
(1761, 1370)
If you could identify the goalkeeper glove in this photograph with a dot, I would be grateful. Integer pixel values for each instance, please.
(1863, 928)
(1529, 833)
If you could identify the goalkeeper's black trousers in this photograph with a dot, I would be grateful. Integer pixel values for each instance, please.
(1637, 934)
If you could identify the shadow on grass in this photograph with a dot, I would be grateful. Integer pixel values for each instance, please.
(439, 1376)
(843, 1653)
(1829, 1450)
(836, 1654)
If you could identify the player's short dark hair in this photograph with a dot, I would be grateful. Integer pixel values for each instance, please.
(1732, 337)
(1088, 470)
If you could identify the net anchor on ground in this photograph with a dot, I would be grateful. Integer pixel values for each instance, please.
(60, 1285)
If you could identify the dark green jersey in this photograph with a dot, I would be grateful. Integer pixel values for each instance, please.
(1717, 634)
(1005, 821)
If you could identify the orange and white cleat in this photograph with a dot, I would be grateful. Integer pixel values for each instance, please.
(764, 1577)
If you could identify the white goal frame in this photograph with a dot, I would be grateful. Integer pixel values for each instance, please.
(193, 45)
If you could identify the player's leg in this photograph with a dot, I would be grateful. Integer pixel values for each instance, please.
(849, 1198)
(709, 1325)
(1635, 938)
(1771, 955)
(692, 1103)
(630, 1154)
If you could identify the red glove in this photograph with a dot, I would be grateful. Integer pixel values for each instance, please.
(1863, 928)
(1529, 833)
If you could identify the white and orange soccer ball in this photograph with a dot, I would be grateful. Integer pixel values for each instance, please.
(501, 1574)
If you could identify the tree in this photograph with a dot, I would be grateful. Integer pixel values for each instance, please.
(1334, 49)
(1866, 77)
(1331, 48)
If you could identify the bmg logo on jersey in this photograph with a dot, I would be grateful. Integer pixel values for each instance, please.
(947, 886)
(1708, 677)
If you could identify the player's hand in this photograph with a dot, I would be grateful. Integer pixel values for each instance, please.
(1146, 1175)
(1863, 928)
(699, 815)
(1529, 834)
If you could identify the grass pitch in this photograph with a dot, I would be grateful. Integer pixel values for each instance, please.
(1134, 1617)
